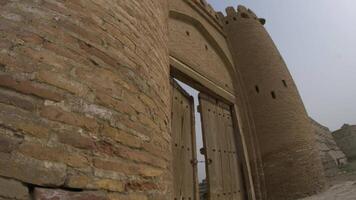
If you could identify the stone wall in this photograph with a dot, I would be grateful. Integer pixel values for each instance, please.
(84, 100)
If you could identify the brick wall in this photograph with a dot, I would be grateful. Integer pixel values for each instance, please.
(84, 100)
(291, 164)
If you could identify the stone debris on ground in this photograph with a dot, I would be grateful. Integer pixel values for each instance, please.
(343, 191)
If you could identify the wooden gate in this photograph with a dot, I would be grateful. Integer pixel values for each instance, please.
(223, 170)
(184, 149)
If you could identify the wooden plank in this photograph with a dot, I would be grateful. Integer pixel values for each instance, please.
(194, 152)
(176, 131)
(234, 163)
(183, 138)
(226, 150)
(221, 142)
(211, 146)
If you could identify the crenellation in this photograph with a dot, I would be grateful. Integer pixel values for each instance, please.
(208, 9)
(240, 13)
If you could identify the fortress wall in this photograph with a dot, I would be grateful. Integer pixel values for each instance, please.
(189, 45)
(192, 28)
(84, 100)
(197, 40)
(291, 165)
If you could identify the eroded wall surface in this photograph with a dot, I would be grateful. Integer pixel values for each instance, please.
(84, 100)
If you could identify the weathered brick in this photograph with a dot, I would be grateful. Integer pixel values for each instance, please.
(119, 166)
(57, 194)
(32, 171)
(55, 79)
(18, 63)
(129, 196)
(102, 80)
(76, 140)
(105, 99)
(15, 99)
(127, 168)
(122, 137)
(8, 144)
(85, 182)
(61, 155)
(26, 122)
(140, 156)
(13, 190)
(56, 114)
(64, 51)
(140, 186)
(28, 87)
(2, 67)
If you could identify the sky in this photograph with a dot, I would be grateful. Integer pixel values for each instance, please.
(317, 39)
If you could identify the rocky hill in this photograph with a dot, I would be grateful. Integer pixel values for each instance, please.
(346, 140)
(332, 157)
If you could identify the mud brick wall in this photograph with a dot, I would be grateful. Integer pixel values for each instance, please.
(84, 100)
(291, 162)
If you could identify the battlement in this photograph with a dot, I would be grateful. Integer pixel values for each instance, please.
(231, 13)
(207, 8)
(241, 13)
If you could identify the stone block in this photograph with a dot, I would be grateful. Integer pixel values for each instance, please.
(13, 189)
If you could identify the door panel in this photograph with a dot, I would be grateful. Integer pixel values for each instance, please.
(223, 170)
(183, 144)
(211, 146)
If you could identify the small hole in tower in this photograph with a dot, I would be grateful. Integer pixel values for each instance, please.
(227, 22)
(187, 32)
(206, 47)
(273, 95)
(257, 89)
(244, 15)
(285, 83)
(234, 18)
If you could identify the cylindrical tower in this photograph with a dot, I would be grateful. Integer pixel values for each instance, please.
(84, 100)
(291, 164)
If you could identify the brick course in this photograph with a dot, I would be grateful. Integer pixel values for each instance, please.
(83, 86)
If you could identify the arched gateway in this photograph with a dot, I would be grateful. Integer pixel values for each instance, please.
(89, 108)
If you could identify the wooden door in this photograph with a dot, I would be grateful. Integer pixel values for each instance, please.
(223, 169)
(183, 145)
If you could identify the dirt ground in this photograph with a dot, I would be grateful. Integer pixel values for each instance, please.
(342, 191)
(342, 187)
